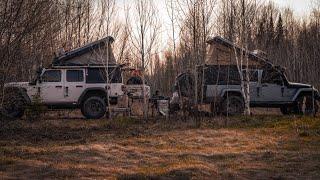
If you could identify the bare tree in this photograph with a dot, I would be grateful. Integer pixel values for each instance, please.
(144, 37)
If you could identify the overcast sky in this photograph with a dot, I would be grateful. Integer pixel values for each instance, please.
(300, 7)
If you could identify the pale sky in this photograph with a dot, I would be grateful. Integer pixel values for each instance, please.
(300, 7)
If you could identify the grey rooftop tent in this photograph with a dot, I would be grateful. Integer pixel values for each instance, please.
(221, 52)
(98, 53)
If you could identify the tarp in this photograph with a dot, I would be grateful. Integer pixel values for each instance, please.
(95, 53)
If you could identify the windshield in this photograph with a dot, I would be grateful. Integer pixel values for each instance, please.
(35, 76)
(285, 77)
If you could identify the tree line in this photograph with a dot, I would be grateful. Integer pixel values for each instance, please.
(31, 32)
(288, 40)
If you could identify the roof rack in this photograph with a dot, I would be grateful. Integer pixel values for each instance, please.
(87, 66)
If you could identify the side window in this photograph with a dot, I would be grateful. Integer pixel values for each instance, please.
(75, 76)
(96, 75)
(223, 75)
(52, 76)
(115, 75)
(272, 77)
(253, 75)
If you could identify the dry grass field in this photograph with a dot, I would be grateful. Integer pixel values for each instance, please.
(259, 147)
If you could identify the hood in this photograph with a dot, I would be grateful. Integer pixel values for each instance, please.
(298, 85)
(17, 84)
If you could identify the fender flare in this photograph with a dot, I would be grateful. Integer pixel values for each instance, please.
(84, 93)
(225, 91)
(22, 92)
(303, 90)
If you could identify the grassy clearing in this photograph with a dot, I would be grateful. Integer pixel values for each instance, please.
(259, 147)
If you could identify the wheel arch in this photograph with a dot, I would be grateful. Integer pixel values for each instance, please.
(92, 92)
(236, 92)
(304, 91)
(21, 91)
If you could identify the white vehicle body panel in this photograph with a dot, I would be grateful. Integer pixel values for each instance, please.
(73, 90)
(65, 92)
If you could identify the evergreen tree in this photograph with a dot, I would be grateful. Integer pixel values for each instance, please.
(261, 35)
(270, 32)
(279, 31)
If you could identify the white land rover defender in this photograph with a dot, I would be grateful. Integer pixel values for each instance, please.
(76, 79)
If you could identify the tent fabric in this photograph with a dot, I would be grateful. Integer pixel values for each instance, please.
(221, 51)
(95, 53)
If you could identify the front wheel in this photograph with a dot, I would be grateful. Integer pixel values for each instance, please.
(232, 106)
(306, 105)
(93, 108)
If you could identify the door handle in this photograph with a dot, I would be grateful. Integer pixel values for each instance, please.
(58, 86)
(264, 85)
(67, 92)
(79, 86)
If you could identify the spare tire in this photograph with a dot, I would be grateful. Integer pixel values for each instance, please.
(14, 106)
(185, 85)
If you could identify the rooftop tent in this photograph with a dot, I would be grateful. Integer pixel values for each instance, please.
(221, 52)
(93, 54)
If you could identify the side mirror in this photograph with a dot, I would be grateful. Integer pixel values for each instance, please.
(39, 78)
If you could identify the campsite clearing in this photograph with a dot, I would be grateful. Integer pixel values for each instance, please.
(258, 147)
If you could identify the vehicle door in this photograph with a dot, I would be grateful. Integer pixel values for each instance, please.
(272, 86)
(51, 86)
(74, 85)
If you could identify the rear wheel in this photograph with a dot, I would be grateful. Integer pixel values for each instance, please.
(285, 110)
(232, 106)
(93, 108)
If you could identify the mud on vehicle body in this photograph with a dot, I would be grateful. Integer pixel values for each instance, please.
(220, 86)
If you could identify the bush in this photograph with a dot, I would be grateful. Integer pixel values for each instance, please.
(36, 109)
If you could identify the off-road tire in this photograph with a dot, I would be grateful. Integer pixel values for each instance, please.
(232, 105)
(93, 108)
(285, 110)
(14, 106)
(304, 105)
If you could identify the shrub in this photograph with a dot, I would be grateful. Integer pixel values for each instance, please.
(36, 109)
